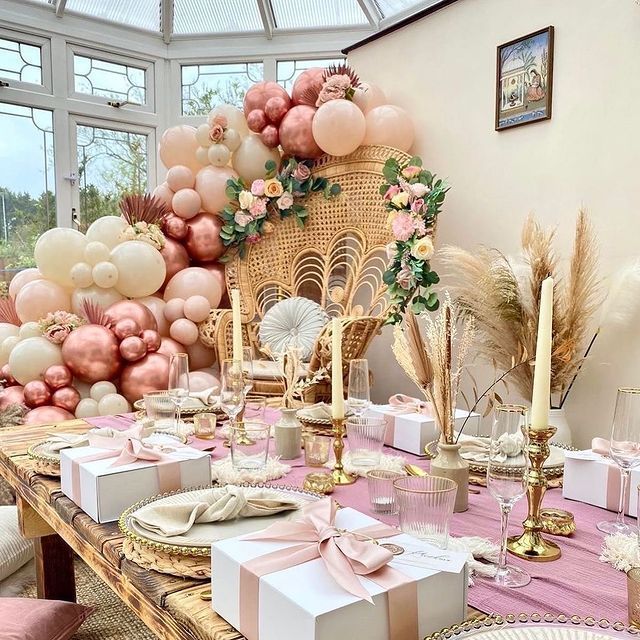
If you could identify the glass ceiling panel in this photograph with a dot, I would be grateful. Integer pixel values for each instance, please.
(307, 14)
(144, 14)
(392, 7)
(222, 16)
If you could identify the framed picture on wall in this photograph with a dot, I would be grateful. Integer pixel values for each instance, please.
(524, 79)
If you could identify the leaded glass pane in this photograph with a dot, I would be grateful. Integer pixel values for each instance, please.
(20, 61)
(288, 70)
(113, 80)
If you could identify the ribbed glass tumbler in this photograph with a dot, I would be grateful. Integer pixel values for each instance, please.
(425, 506)
(366, 439)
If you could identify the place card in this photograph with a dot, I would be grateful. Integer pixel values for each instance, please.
(431, 558)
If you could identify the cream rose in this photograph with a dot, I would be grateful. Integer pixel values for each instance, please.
(246, 199)
(273, 188)
(422, 249)
(400, 200)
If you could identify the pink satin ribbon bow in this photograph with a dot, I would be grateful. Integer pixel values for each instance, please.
(401, 402)
(346, 555)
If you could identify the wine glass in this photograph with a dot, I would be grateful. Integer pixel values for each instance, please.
(247, 369)
(358, 394)
(507, 483)
(624, 449)
(178, 383)
(232, 386)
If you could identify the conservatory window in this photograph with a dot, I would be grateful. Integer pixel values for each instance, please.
(20, 61)
(288, 70)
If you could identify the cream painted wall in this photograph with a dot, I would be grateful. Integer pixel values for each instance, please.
(442, 70)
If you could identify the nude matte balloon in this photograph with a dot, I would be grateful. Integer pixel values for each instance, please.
(218, 155)
(203, 241)
(338, 127)
(178, 147)
(174, 309)
(196, 309)
(251, 156)
(141, 269)
(368, 96)
(194, 281)
(235, 118)
(149, 374)
(296, 135)
(168, 346)
(186, 203)
(47, 415)
(107, 230)
(202, 380)
(156, 306)
(164, 194)
(202, 155)
(56, 251)
(391, 126)
(200, 356)
(21, 278)
(39, 297)
(180, 177)
(217, 271)
(103, 297)
(184, 331)
(30, 358)
(211, 184)
(232, 140)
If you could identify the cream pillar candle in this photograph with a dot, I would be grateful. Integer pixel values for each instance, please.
(542, 372)
(237, 325)
(337, 398)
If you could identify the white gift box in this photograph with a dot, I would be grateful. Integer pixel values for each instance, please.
(411, 431)
(304, 601)
(594, 479)
(106, 491)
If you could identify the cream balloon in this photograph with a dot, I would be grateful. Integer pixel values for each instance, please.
(100, 389)
(21, 278)
(202, 155)
(156, 306)
(30, 358)
(112, 404)
(103, 297)
(202, 135)
(211, 184)
(96, 252)
(141, 268)
(81, 274)
(87, 408)
(232, 139)
(29, 330)
(251, 156)
(219, 155)
(39, 297)
(338, 127)
(368, 96)
(7, 329)
(105, 274)
(56, 251)
(391, 126)
(7, 346)
(235, 118)
(107, 230)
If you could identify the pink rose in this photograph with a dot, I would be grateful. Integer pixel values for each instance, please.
(411, 171)
(417, 205)
(253, 238)
(334, 88)
(391, 191)
(302, 172)
(258, 208)
(242, 218)
(421, 228)
(418, 189)
(216, 133)
(57, 334)
(257, 187)
(405, 278)
(403, 227)
(285, 201)
(221, 120)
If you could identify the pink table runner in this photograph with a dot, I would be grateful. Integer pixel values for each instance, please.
(576, 584)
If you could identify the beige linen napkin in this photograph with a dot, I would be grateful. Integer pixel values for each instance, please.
(204, 396)
(318, 411)
(59, 441)
(227, 503)
(477, 449)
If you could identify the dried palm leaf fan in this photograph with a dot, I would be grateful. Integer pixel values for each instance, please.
(8, 312)
(95, 314)
(136, 207)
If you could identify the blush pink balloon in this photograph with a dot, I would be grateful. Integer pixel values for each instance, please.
(149, 374)
(164, 194)
(168, 347)
(196, 309)
(194, 281)
(58, 376)
(133, 348)
(184, 331)
(257, 95)
(368, 96)
(338, 127)
(256, 120)
(174, 227)
(180, 177)
(36, 394)
(131, 309)
(91, 353)
(47, 415)
(391, 126)
(307, 87)
(270, 136)
(126, 327)
(200, 356)
(66, 398)
(11, 395)
(175, 258)
(178, 147)
(276, 107)
(156, 306)
(174, 309)
(21, 278)
(201, 380)
(152, 339)
(39, 297)
(296, 136)
(217, 271)
(211, 184)
(186, 203)
(203, 240)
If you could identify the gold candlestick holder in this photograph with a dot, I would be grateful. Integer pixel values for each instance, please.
(339, 475)
(530, 545)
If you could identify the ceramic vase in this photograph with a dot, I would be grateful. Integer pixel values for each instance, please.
(288, 435)
(558, 419)
(450, 464)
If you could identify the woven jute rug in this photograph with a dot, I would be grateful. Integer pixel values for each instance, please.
(111, 619)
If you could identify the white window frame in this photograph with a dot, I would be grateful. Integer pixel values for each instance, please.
(45, 60)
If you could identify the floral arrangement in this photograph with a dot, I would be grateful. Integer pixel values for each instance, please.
(340, 82)
(145, 232)
(143, 214)
(55, 327)
(255, 207)
(413, 196)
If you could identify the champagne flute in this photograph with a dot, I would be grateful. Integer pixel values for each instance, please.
(231, 389)
(507, 483)
(178, 383)
(624, 449)
(358, 394)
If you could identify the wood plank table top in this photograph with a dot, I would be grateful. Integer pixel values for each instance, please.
(171, 607)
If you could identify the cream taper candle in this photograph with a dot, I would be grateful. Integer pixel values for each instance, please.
(237, 325)
(542, 371)
(337, 397)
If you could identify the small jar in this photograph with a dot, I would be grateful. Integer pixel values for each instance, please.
(288, 435)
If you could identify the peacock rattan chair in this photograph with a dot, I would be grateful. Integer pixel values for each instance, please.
(337, 260)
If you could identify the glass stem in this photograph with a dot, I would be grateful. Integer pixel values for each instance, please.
(505, 510)
(178, 412)
(624, 473)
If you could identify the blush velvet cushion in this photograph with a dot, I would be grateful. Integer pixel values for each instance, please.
(30, 619)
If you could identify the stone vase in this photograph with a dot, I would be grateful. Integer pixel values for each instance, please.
(450, 464)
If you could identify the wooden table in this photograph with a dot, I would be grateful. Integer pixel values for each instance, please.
(171, 607)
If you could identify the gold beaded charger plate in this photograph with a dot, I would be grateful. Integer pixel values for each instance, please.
(191, 407)
(190, 554)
